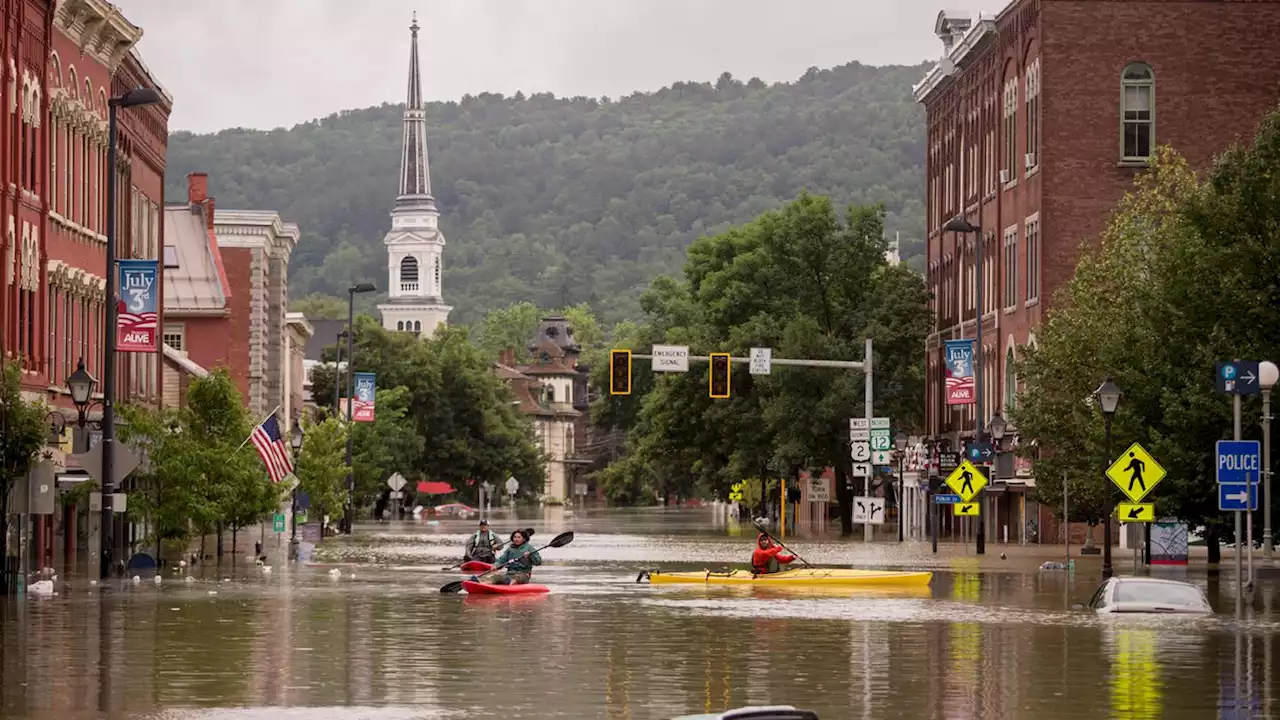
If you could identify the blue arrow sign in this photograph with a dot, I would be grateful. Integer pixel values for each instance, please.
(1237, 498)
(1239, 462)
(946, 499)
(1238, 377)
(980, 452)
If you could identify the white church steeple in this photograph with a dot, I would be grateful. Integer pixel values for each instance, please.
(415, 245)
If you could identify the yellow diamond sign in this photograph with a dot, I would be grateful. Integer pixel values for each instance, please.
(965, 509)
(1136, 512)
(966, 481)
(1135, 472)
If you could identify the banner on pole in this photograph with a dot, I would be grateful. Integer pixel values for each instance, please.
(959, 362)
(136, 310)
(362, 408)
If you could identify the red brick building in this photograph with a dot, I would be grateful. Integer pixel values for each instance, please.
(1038, 120)
(61, 61)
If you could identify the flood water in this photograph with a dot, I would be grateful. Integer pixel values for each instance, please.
(988, 639)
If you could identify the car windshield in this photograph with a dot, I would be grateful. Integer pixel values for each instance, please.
(1159, 594)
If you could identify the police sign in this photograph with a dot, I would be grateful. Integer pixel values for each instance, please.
(1239, 462)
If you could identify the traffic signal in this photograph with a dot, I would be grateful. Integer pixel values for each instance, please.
(718, 380)
(619, 372)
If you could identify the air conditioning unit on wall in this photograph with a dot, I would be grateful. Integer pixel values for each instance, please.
(1030, 159)
(1004, 177)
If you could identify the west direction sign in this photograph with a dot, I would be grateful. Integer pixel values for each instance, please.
(1135, 472)
(1239, 462)
(966, 481)
(1136, 512)
(1238, 377)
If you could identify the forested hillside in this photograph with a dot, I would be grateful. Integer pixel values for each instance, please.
(559, 201)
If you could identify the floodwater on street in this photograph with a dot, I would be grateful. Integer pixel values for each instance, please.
(988, 639)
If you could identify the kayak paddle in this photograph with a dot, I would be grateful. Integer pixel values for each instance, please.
(558, 541)
(760, 526)
(528, 535)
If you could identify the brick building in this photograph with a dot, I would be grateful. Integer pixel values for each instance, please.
(1038, 120)
(226, 278)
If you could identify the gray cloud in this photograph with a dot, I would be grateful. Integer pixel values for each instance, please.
(271, 63)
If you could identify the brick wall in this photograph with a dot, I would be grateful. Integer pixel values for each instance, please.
(238, 263)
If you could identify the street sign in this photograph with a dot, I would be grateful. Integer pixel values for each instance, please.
(881, 442)
(513, 486)
(946, 499)
(735, 492)
(1238, 377)
(966, 509)
(1234, 498)
(761, 361)
(967, 481)
(1136, 512)
(868, 510)
(859, 424)
(670, 358)
(860, 451)
(396, 482)
(819, 490)
(277, 523)
(880, 423)
(980, 452)
(1239, 462)
(862, 469)
(860, 435)
(124, 461)
(1135, 472)
(947, 462)
(881, 457)
(397, 495)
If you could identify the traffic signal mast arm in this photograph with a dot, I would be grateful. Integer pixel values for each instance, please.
(850, 364)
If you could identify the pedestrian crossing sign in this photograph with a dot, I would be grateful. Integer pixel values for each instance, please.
(1135, 472)
(966, 481)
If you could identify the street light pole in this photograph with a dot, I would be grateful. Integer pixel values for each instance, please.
(132, 98)
(295, 440)
(900, 442)
(1268, 375)
(349, 515)
(1108, 396)
(997, 428)
(959, 225)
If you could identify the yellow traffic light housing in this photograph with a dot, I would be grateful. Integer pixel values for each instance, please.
(718, 378)
(619, 372)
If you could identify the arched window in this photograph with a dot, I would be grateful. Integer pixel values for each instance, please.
(400, 325)
(417, 326)
(409, 274)
(437, 275)
(1010, 383)
(72, 82)
(1137, 112)
(55, 70)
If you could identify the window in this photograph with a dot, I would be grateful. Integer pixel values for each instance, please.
(51, 299)
(175, 337)
(1011, 266)
(1033, 114)
(171, 256)
(1010, 130)
(417, 326)
(400, 326)
(1010, 384)
(1138, 111)
(68, 336)
(1033, 258)
(409, 274)
(437, 275)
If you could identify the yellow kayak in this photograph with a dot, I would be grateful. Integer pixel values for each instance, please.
(814, 577)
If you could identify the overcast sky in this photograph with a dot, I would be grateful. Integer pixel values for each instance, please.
(268, 63)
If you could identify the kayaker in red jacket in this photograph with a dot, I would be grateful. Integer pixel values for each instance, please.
(768, 558)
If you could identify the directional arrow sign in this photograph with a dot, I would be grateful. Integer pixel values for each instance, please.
(1234, 498)
(965, 509)
(1136, 512)
(1238, 377)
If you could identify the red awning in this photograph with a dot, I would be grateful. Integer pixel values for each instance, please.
(434, 487)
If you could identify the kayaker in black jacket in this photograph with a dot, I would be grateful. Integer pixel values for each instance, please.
(483, 544)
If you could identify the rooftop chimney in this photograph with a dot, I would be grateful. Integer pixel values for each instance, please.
(198, 196)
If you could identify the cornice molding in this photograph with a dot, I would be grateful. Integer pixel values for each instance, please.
(98, 28)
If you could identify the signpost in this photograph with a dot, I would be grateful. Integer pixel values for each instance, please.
(513, 487)
(670, 358)
(966, 481)
(1136, 473)
(868, 510)
(1238, 463)
(1136, 512)
(761, 361)
(965, 509)
(946, 499)
(277, 523)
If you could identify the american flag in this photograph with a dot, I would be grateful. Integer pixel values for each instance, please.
(270, 445)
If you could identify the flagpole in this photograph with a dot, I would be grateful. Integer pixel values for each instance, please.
(255, 427)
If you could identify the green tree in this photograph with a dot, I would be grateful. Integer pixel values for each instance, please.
(22, 435)
(321, 466)
(388, 445)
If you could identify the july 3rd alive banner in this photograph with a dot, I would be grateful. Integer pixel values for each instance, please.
(136, 311)
(362, 408)
(959, 360)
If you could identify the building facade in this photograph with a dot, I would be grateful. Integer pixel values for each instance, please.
(415, 245)
(1039, 118)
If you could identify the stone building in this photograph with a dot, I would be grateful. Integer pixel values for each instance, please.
(1039, 118)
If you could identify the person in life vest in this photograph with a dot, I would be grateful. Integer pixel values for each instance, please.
(519, 559)
(768, 558)
(483, 544)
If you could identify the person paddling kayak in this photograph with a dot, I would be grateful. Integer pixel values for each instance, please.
(483, 544)
(521, 558)
(768, 558)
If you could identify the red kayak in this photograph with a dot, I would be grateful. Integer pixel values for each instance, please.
(475, 588)
(472, 566)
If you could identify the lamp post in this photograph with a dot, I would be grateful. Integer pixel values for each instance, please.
(900, 442)
(1268, 375)
(337, 376)
(349, 515)
(81, 385)
(133, 98)
(959, 225)
(1108, 396)
(295, 441)
(997, 427)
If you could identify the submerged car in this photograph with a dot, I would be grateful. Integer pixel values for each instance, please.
(1149, 595)
(772, 712)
